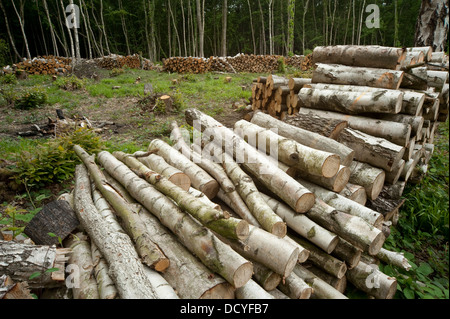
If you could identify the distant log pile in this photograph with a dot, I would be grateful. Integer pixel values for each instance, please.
(239, 63)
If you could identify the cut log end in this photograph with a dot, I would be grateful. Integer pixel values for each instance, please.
(306, 293)
(331, 166)
(272, 281)
(376, 244)
(162, 265)
(221, 291)
(182, 180)
(303, 256)
(305, 202)
(242, 230)
(242, 275)
(392, 289)
(279, 229)
(341, 179)
(210, 189)
(332, 245)
(292, 261)
(342, 270)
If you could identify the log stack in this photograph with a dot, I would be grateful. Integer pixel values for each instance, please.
(51, 65)
(239, 63)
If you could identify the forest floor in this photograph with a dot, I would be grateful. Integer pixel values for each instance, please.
(132, 125)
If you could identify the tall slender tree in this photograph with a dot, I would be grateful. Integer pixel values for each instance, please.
(224, 27)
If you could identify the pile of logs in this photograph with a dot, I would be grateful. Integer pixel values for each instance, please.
(240, 63)
(42, 65)
(116, 61)
(221, 218)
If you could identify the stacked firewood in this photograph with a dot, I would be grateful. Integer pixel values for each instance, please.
(116, 61)
(240, 63)
(43, 65)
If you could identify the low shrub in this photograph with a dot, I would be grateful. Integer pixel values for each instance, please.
(31, 98)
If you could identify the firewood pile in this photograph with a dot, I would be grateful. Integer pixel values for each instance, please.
(219, 219)
(116, 61)
(239, 63)
(42, 65)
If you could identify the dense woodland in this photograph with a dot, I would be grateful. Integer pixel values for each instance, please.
(164, 28)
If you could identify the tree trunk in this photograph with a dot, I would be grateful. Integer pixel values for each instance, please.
(149, 252)
(199, 178)
(371, 178)
(432, 25)
(305, 137)
(346, 205)
(294, 194)
(106, 287)
(295, 287)
(266, 277)
(251, 26)
(363, 56)
(214, 169)
(11, 39)
(290, 152)
(271, 251)
(22, 28)
(372, 281)
(251, 290)
(356, 193)
(208, 216)
(126, 269)
(397, 133)
(381, 101)
(351, 228)
(265, 216)
(77, 41)
(85, 284)
(322, 290)
(336, 183)
(304, 226)
(352, 75)
(20, 261)
(375, 151)
(322, 260)
(200, 23)
(224, 28)
(158, 164)
(324, 126)
(412, 101)
(207, 247)
(184, 266)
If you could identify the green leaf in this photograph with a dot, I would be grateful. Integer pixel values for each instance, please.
(51, 270)
(34, 275)
(52, 235)
(409, 293)
(425, 269)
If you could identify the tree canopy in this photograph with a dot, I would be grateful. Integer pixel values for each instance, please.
(162, 28)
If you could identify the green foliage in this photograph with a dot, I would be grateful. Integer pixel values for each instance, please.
(4, 53)
(31, 98)
(14, 215)
(9, 95)
(55, 160)
(9, 79)
(70, 83)
(116, 72)
(281, 65)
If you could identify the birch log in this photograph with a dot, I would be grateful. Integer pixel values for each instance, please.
(251, 290)
(295, 84)
(273, 252)
(371, 178)
(199, 178)
(340, 284)
(415, 79)
(356, 193)
(162, 288)
(346, 205)
(336, 183)
(304, 226)
(437, 79)
(252, 197)
(214, 169)
(237, 204)
(305, 137)
(371, 56)
(412, 102)
(324, 126)
(371, 280)
(290, 152)
(84, 283)
(295, 287)
(347, 102)
(397, 133)
(207, 247)
(186, 274)
(266, 277)
(352, 228)
(322, 290)
(20, 261)
(394, 258)
(146, 248)
(416, 122)
(210, 217)
(348, 253)
(106, 287)
(378, 152)
(283, 185)
(158, 164)
(351, 75)
(126, 269)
